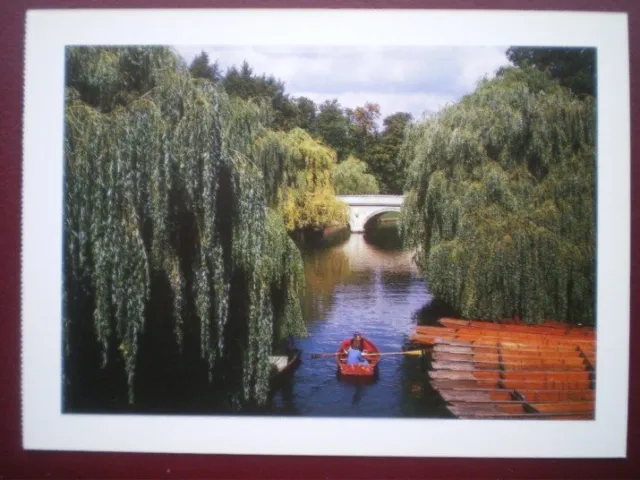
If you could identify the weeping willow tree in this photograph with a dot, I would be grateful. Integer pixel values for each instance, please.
(500, 203)
(167, 177)
(307, 199)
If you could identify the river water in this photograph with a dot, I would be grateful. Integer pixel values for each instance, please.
(365, 283)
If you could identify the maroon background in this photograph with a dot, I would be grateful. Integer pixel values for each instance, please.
(17, 463)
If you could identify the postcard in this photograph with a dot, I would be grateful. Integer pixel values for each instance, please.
(326, 232)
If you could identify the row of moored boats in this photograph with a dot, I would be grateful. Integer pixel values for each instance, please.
(488, 370)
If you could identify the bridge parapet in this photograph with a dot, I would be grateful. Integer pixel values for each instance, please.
(362, 208)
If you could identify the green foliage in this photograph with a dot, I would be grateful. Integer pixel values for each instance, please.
(308, 201)
(243, 83)
(383, 156)
(332, 126)
(173, 183)
(351, 178)
(500, 202)
(201, 68)
(104, 77)
(575, 68)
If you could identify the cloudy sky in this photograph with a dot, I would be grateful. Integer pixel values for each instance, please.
(407, 79)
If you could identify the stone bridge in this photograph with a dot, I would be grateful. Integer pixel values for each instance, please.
(363, 208)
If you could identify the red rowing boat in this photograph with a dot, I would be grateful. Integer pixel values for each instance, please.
(360, 369)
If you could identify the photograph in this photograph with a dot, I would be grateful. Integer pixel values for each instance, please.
(369, 232)
(409, 226)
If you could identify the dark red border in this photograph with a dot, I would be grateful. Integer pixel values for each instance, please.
(16, 463)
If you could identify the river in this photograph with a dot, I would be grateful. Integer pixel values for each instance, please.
(365, 283)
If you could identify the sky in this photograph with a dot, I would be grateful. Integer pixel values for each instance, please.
(399, 79)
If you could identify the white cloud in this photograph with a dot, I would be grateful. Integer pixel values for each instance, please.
(411, 79)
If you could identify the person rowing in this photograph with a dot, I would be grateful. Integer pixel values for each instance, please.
(355, 353)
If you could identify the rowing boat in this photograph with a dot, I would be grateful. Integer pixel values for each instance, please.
(579, 410)
(483, 334)
(495, 357)
(492, 395)
(360, 369)
(282, 365)
(551, 384)
(496, 375)
(537, 365)
(567, 330)
(458, 345)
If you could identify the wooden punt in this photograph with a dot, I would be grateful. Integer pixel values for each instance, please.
(505, 348)
(484, 395)
(548, 384)
(358, 370)
(529, 365)
(569, 358)
(564, 407)
(493, 415)
(478, 333)
(523, 408)
(515, 375)
(555, 395)
(283, 365)
(477, 395)
(520, 385)
(567, 330)
(432, 339)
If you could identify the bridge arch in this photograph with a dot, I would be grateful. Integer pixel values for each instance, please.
(371, 215)
(363, 208)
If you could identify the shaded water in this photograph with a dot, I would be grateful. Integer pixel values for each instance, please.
(366, 283)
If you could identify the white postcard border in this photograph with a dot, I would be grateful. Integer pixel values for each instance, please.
(46, 428)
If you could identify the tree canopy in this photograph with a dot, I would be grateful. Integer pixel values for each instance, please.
(201, 68)
(169, 181)
(500, 202)
(352, 178)
(575, 68)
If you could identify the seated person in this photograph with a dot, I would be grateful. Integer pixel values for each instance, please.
(355, 354)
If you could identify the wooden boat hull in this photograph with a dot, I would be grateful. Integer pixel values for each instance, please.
(357, 370)
(492, 395)
(495, 357)
(484, 383)
(566, 330)
(519, 409)
(435, 334)
(461, 346)
(284, 365)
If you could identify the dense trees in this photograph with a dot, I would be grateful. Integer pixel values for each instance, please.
(351, 178)
(176, 191)
(347, 131)
(574, 68)
(501, 200)
(201, 68)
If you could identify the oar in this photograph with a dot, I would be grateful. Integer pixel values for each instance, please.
(408, 352)
(320, 355)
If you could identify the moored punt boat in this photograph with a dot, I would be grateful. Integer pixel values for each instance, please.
(432, 339)
(552, 384)
(567, 330)
(494, 357)
(516, 375)
(478, 334)
(582, 409)
(492, 395)
(455, 346)
(282, 365)
(533, 365)
(493, 415)
(360, 369)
